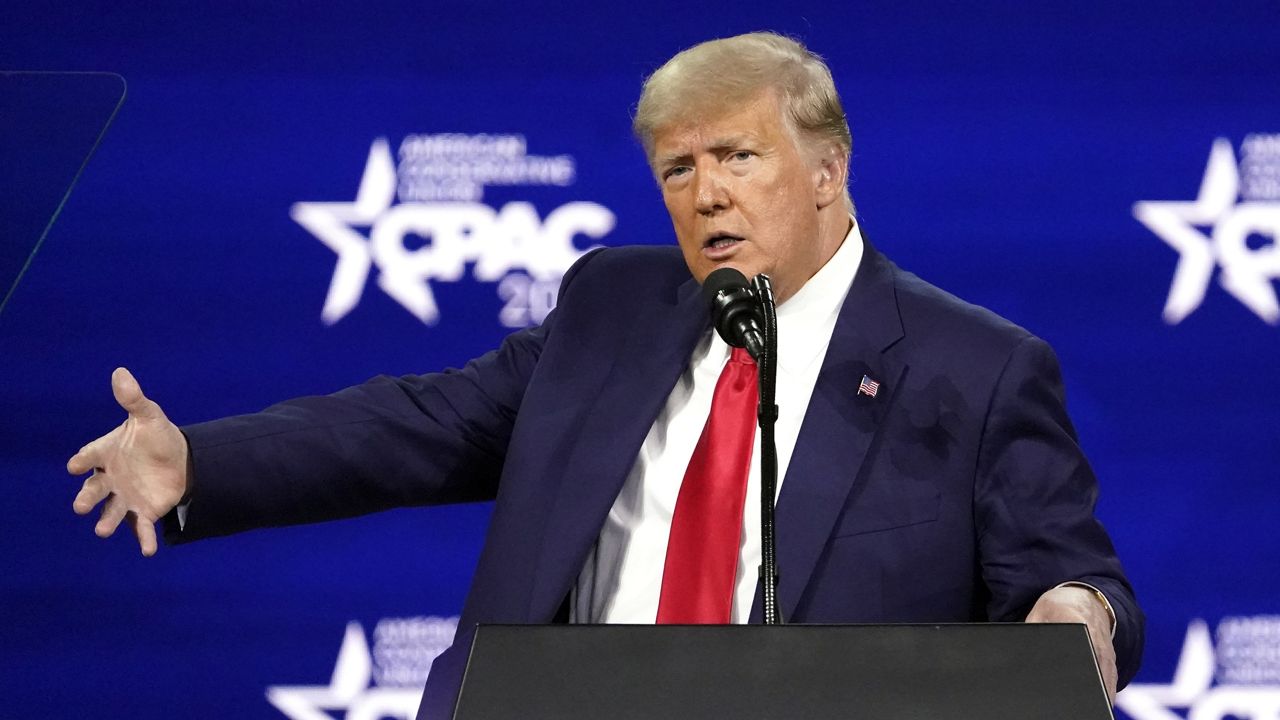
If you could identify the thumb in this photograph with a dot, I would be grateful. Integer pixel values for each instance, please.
(129, 394)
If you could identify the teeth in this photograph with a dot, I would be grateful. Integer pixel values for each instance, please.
(722, 241)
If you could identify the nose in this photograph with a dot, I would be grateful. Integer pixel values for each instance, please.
(710, 193)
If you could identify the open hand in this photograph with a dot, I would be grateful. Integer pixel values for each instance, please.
(141, 468)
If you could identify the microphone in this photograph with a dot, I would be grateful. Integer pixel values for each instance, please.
(735, 310)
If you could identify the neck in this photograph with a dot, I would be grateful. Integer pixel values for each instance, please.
(834, 223)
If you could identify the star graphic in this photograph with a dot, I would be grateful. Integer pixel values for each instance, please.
(348, 689)
(1247, 272)
(333, 224)
(1191, 680)
(1175, 223)
(1193, 693)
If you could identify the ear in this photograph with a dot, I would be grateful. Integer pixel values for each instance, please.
(830, 176)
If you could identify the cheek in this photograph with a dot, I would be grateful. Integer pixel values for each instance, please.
(688, 241)
(672, 205)
(679, 218)
(679, 204)
(786, 239)
(783, 223)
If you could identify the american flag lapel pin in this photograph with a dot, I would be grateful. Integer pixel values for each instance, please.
(868, 386)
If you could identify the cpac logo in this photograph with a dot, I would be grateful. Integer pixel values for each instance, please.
(1247, 267)
(402, 653)
(512, 244)
(1247, 665)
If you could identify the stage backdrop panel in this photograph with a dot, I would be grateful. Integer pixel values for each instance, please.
(294, 198)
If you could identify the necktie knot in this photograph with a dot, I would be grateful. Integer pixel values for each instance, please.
(740, 355)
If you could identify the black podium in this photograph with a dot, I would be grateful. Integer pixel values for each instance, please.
(881, 672)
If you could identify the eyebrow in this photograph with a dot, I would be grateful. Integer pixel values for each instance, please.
(720, 144)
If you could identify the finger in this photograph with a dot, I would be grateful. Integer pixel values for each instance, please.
(1107, 660)
(112, 513)
(1105, 655)
(91, 493)
(146, 533)
(129, 394)
(90, 456)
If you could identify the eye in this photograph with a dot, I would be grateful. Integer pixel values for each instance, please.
(675, 172)
(742, 155)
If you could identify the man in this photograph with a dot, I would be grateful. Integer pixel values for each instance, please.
(929, 470)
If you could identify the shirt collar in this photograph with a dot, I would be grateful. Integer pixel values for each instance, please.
(807, 319)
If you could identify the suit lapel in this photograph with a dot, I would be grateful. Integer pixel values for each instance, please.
(839, 426)
(647, 365)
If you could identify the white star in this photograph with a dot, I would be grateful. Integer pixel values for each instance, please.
(348, 689)
(1191, 680)
(1193, 687)
(1246, 272)
(351, 675)
(333, 222)
(1173, 222)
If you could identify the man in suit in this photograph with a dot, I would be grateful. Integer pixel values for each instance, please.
(929, 470)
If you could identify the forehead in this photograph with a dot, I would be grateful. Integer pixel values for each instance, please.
(758, 118)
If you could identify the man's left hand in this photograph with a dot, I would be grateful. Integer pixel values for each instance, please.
(1071, 604)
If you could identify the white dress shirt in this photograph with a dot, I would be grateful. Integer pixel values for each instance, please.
(622, 577)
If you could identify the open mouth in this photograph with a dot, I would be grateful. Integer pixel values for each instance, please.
(721, 240)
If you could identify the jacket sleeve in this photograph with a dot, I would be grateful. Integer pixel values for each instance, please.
(1034, 503)
(389, 442)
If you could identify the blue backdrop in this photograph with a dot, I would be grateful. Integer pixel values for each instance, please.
(1060, 166)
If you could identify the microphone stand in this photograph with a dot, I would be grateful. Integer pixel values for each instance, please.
(767, 417)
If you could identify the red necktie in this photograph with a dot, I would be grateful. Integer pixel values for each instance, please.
(702, 553)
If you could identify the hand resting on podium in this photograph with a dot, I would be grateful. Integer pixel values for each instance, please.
(1081, 604)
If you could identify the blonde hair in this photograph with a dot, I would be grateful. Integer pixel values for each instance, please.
(718, 74)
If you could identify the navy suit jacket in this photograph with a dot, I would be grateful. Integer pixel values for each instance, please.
(958, 493)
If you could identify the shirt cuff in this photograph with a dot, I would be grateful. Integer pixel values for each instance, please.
(182, 509)
(1102, 598)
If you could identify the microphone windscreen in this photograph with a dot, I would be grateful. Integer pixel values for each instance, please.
(726, 278)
